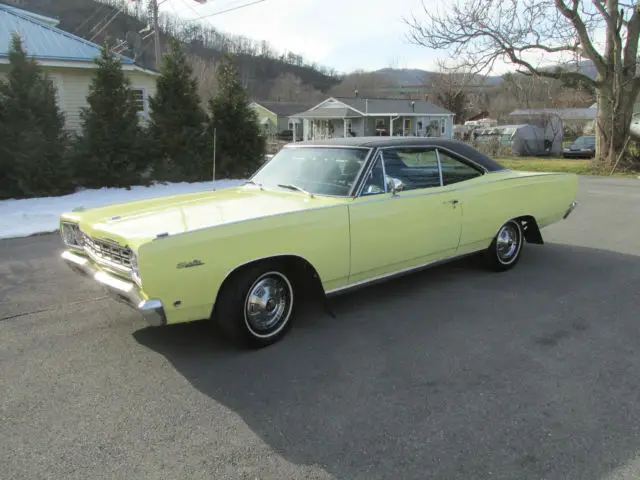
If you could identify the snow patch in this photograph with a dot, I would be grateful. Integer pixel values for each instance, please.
(29, 216)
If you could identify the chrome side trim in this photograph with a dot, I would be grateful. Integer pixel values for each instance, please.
(123, 291)
(399, 273)
(571, 208)
(439, 168)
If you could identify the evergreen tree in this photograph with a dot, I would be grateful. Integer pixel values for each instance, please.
(33, 143)
(109, 150)
(240, 147)
(177, 128)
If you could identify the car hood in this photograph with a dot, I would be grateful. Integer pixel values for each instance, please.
(134, 223)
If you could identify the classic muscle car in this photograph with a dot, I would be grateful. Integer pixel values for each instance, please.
(323, 217)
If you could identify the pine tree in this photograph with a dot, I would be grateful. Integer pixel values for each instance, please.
(240, 147)
(109, 150)
(33, 143)
(177, 121)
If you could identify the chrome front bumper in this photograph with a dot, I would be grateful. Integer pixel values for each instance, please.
(571, 208)
(121, 290)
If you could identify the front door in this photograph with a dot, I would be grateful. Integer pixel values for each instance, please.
(390, 231)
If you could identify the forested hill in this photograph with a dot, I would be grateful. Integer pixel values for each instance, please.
(259, 64)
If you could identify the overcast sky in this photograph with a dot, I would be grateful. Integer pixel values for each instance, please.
(343, 34)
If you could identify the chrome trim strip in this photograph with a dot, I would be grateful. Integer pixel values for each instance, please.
(384, 171)
(571, 208)
(439, 167)
(123, 291)
(398, 273)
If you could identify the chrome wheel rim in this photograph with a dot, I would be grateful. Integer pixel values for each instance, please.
(508, 243)
(268, 305)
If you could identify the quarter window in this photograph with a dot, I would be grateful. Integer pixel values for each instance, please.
(414, 167)
(454, 170)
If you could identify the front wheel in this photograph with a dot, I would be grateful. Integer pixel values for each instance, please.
(255, 307)
(506, 247)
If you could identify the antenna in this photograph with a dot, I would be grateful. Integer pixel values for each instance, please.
(135, 43)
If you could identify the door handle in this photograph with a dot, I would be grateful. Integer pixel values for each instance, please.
(451, 202)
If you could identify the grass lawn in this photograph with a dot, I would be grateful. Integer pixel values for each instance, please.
(535, 164)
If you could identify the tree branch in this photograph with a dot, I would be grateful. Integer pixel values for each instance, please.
(572, 15)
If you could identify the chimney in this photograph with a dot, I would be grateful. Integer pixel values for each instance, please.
(356, 92)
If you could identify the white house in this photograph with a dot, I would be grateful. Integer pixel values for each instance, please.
(68, 60)
(344, 117)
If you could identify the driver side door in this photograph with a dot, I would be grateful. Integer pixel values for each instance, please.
(396, 230)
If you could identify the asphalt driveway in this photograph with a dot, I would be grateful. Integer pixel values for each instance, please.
(449, 373)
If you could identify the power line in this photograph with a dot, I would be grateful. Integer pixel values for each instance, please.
(106, 24)
(229, 10)
(88, 19)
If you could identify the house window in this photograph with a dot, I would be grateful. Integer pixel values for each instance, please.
(140, 99)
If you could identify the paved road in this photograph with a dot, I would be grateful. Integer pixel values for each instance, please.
(451, 373)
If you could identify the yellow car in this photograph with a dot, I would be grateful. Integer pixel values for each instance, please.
(319, 217)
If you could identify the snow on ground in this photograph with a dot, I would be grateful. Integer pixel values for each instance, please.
(20, 218)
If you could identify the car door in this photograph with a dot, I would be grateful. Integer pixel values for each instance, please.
(396, 230)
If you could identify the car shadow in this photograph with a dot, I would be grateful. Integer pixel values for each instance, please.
(453, 372)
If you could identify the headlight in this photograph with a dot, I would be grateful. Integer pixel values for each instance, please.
(71, 234)
(133, 260)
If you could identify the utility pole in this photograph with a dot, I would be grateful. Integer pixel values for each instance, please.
(156, 31)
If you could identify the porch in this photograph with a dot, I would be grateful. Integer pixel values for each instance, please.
(364, 126)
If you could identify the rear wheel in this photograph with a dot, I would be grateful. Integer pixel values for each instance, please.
(255, 307)
(506, 248)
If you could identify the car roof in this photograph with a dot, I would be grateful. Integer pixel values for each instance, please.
(455, 146)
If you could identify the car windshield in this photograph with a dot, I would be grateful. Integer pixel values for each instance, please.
(317, 170)
(585, 141)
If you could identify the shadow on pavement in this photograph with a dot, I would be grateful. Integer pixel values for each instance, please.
(454, 372)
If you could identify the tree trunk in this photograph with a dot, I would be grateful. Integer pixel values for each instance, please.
(613, 122)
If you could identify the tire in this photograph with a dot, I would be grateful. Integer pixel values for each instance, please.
(506, 248)
(266, 290)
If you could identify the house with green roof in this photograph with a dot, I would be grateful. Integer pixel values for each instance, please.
(362, 117)
(68, 60)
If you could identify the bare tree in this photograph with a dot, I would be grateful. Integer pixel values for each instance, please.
(205, 74)
(456, 89)
(482, 32)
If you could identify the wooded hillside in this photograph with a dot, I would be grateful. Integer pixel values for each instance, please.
(259, 64)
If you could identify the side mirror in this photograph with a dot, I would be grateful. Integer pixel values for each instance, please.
(394, 185)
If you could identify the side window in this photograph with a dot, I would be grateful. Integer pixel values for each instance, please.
(454, 170)
(412, 168)
(374, 183)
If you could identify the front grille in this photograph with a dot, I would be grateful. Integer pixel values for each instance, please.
(107, 251)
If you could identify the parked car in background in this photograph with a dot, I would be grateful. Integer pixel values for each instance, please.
(582, 147)
(320, 217)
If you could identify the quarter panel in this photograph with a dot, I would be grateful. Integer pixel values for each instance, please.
(490, 201)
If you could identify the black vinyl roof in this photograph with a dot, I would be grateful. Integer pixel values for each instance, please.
(455, 146)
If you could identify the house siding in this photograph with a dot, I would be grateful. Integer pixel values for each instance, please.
(263, 113)
(73, 87)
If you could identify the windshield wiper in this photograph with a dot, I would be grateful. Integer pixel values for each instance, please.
(291, 186)
(253, 183)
